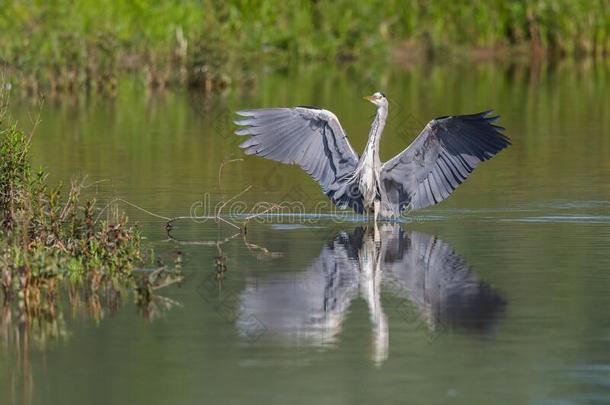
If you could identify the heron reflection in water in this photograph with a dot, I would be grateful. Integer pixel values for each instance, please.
(308, 308)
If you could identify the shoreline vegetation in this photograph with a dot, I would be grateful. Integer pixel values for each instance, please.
(54, 244)
(62, 46)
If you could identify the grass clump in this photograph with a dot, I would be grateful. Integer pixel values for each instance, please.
(46, 235)
(50, 237)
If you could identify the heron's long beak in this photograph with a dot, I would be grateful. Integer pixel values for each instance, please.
(368, 98)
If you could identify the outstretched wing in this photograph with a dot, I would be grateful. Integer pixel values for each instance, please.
(307, 136)
(439, 160)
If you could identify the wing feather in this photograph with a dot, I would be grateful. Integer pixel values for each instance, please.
(439, 160)
(309, 137)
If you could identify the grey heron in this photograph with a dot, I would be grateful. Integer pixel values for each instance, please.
(425, 173)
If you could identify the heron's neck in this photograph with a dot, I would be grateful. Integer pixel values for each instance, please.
(372, 146)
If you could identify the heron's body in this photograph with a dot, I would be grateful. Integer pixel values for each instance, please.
(369, 164)
(425, 173)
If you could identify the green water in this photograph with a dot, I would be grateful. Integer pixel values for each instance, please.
(498, 295)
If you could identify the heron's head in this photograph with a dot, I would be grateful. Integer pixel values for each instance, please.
(378, 99)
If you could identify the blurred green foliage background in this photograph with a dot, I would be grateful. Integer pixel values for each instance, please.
(71, 44)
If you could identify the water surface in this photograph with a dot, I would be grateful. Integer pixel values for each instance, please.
(498, 294)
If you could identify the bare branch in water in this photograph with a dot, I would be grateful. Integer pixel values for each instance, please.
(255, 249)
(220, 173)
(119, 199)
(228, 201)
(263, 250)
(201, 242)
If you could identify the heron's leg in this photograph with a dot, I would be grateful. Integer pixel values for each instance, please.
(376, 208)
(369, 212)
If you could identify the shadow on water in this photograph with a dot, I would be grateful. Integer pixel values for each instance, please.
(308, 308)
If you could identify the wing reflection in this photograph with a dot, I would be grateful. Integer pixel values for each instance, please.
(308, 308)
